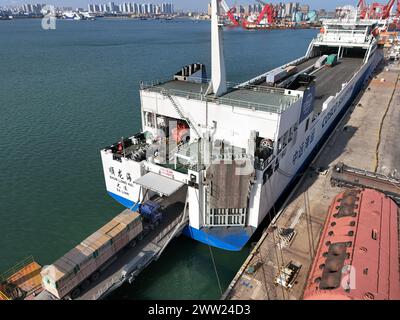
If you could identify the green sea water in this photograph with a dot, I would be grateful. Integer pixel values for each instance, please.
(67, 93)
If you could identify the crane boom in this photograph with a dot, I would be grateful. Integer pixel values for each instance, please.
(363, 8)
(387, 9)
(398, 9)
(268, 10)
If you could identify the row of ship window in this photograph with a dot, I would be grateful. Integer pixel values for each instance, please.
(283, 141)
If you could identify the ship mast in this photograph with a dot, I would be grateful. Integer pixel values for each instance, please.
(218, 73)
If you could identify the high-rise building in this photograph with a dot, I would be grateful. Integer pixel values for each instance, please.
(111, 7)
(305, 9)
(125, 7)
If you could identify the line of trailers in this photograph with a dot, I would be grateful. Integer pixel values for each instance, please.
(73, 273)
(277, 75)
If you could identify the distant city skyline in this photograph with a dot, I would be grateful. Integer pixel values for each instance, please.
(195, 5)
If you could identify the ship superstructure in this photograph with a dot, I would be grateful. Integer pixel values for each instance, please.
(236, 149)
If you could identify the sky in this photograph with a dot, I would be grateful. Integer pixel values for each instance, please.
(199, 5)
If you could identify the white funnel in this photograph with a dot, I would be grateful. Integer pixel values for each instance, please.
(218, 73)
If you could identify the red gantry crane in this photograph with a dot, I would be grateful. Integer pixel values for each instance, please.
(398, 9)
(268, 10)
(363, 8)
(387, 9)
(377, 10)
(230, 13)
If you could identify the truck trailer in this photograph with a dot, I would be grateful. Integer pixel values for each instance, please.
(74, 272)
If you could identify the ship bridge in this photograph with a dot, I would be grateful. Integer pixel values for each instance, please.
(346, 34)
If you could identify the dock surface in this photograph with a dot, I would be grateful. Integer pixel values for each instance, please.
(366, 138)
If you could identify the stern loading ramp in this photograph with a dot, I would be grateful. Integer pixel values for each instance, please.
(360, 140)
(132, 261)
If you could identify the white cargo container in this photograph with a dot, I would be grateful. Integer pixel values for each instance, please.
(75, 270)
(321, 61)
(276, 75)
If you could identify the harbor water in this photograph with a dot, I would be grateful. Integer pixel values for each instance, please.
(67, 93)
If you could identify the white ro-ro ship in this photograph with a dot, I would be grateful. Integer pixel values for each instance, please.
(234, 150)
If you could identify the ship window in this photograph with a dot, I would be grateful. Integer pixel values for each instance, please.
(290, 138)
(267, 174)
(279, 145)
(374, 234)
(276, 165)
(307, 124)
(149, 119)
(95, 254)
(285, 137)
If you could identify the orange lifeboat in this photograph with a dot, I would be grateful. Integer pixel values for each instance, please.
(180, 133)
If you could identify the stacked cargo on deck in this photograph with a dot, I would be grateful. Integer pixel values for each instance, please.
(276, 75)
(321, 61)
(73, 272)
(332, 60)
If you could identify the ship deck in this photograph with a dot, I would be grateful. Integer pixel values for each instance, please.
(267, 99)
(329, 80)
(263, 97)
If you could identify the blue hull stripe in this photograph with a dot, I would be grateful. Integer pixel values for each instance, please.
(125, 202)
(230, 241)
(227, 241)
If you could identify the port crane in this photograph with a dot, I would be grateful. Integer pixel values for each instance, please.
(230, 13)
(268, 11)
(363, 8)
(377, 10)
(380, 11)
(398, 9)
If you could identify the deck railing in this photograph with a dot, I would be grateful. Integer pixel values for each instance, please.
(20, 265)
(156, 87)
(113, 281)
